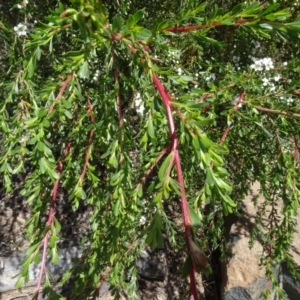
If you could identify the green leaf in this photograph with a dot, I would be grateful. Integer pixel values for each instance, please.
(143, 34)
(138, 15)
(206, 141)
(84, 71)
(40, 146)
(158, 198)
(186, 78)
(187, 267)
(20, 282)
(150, 128)
(237, 9)
(195, 217)
(210, 179)
(223, 185)
(80, 19)
(266, 26)
(269, 9)
(55, 257)
(42, 165)
(228, 200)
(163, 172)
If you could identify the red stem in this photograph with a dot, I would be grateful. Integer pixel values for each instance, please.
(50, 221)
(174, 148)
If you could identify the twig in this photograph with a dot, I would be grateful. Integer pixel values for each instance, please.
(278, 112)
(240, 100)
(64, 85)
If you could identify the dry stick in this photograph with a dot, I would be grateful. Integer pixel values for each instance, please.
(91, 134)
(203, 26)
(278, 112)
(174, 148)
(50, 221)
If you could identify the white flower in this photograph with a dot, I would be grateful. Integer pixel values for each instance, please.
(267, 61)
(19, 6)
(211, 77)
(277, 77)
(235, 101)
(20, 29)
(179, 71)
(272, 87)
(265, 81)
(289, 100)
(285, 63)
(143, 220)
(257, 66)
(139, 105)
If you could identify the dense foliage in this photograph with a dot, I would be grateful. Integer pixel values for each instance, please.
(133, 106)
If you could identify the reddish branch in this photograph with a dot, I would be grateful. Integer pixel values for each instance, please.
(166, 100)
(91, 134)
(174, 148)
(63, 87)
(50, 220)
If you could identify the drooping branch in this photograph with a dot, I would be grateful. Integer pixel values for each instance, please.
(174, 148)
(50, 220)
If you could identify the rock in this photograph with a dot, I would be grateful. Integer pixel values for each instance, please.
(243, 278)
(11, 267)
(152, 265)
